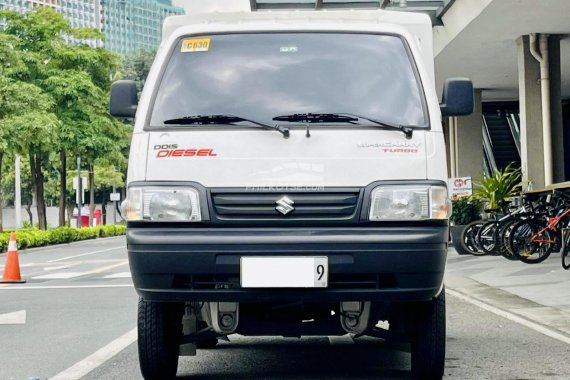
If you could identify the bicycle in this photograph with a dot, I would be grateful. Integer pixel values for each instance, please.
(565, 252)
(530, 205)
(487, 234)
(469, 238)
(533, 239)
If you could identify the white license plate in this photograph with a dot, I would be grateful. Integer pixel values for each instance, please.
(284, 272)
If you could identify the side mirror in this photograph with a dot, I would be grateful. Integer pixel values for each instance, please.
(457, 99)
(123, 98)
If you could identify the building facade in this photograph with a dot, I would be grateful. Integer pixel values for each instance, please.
(25, 5)
(82, 13)
(131, 25)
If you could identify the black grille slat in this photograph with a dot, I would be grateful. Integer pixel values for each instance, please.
(324, 210)
(270, 199)
(345, 281)
(307, 205)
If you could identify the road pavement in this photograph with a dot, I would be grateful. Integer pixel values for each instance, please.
(76, 316)
(78, 297)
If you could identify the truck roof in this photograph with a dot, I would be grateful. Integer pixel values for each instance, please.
(416, 25)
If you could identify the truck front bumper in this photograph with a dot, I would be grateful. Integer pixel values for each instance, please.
(365, 263)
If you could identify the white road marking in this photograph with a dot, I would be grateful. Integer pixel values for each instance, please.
(86, 254)
(21, 265)
(82, 368)
(57, 268)
(340, 340)
(58, 276)
(119, 275)
(510, 316)
(15, 318)
(47, 287)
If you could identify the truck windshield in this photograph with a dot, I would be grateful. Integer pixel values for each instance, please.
(262, 76)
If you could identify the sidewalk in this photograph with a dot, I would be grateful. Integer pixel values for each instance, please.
(539, 293)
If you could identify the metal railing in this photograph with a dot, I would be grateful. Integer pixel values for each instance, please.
(490, 164)
(515, 131)
(513, 121)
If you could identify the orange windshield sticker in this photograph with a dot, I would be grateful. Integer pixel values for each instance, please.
(192, 45)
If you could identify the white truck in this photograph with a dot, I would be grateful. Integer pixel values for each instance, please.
(287, 176)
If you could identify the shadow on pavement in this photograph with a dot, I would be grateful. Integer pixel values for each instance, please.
(299, 359)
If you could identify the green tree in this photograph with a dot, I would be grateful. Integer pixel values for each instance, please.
(137, 65)
(77, 78)
(25, 117)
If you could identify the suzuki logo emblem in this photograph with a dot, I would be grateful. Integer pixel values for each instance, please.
(285, 205)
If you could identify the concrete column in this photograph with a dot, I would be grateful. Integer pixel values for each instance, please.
(532, 153)
(468, 140)
(556, 110)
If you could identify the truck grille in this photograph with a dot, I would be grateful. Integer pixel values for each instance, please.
(336, 281)
(294, 206)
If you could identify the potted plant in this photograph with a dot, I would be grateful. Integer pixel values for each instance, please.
(499, 187)
(464, 211)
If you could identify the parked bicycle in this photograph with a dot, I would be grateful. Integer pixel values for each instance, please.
(529, 232)
(533, 239)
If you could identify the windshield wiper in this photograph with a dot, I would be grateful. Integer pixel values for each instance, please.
(318, 118)
(224, 120)
(342, 118)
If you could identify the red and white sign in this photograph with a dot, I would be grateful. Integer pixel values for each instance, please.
(460, 187)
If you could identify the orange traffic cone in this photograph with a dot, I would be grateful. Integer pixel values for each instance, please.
(12, 268)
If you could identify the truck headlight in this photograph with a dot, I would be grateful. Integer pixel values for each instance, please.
(162, 204)
(409, 203)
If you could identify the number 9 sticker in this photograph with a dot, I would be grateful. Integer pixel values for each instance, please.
(193, 45)
(321, 272)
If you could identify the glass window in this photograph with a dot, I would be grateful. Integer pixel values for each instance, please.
(261, 76)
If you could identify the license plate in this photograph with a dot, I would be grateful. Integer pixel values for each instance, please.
(284, 272)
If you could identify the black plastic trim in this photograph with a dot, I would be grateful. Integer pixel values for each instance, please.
(408, 262)
(359, 218)
(290, 219)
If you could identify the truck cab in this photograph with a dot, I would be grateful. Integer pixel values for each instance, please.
(287, 176)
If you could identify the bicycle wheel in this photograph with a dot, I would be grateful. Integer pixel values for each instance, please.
(502, 237)
(523, 246)
(469, 238)
(566, 252)
(486, 236)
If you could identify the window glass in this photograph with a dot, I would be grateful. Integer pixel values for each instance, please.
(261, 76)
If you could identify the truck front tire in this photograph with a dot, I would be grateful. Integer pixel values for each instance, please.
(428, 345)
(159, 332)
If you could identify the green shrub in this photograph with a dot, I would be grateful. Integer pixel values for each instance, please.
(4, 239)
(465, 210)
(32, 237)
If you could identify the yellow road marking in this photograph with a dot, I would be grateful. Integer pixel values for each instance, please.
(106, 268)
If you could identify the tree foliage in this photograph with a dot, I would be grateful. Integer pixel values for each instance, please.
(137, 65)
(54, 91)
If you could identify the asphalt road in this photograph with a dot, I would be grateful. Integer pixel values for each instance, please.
(80, 313)
(480, 345)
(73, 306)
